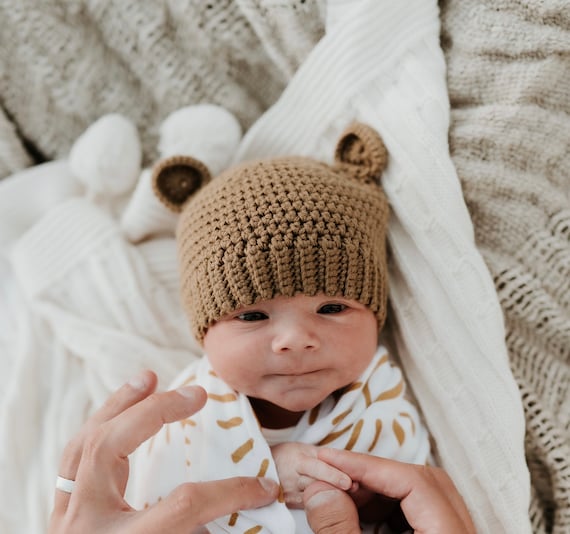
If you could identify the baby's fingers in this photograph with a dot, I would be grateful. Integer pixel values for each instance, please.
(313, 469)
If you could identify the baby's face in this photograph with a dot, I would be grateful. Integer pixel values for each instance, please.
(292, 351)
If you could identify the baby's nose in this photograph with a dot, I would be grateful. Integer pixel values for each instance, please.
(295, 337)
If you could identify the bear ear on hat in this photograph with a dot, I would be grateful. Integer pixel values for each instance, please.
(361, 153)
(177, 178)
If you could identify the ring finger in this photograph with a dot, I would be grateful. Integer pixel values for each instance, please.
(138, 388)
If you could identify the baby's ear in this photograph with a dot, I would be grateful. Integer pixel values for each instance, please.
(177, 178)
(360, 152)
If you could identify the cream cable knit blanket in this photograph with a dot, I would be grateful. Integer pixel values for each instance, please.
(509, 74)
(224, 439)
(508, 71)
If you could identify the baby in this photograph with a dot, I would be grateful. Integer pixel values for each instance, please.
(284, 279)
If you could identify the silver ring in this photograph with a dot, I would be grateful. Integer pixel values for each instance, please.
(64, 484)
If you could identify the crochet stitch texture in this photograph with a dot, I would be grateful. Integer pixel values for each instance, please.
(281, 227)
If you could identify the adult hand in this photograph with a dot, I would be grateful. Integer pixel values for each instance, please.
(298, 466)
(427, 497)
(97, 460)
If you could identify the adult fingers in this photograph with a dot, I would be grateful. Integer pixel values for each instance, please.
(452, 494)
(387, 477)
(425, 503)
(330, 510)
(194, 504)
(107, 447)
(126, 396)
(316, 469)
(136, 389)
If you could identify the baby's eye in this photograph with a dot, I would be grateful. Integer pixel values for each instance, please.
(252, 316)
(332, 308)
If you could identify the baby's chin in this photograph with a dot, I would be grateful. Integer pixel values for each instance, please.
(287, 409)
(300, 400)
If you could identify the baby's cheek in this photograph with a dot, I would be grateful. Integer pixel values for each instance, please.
(238, 379)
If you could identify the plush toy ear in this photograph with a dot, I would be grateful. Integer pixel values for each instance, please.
(361, 153)
(177, 178)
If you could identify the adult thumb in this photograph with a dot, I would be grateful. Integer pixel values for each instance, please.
(330, 510)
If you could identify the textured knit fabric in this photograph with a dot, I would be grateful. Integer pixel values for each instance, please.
(449, 333)
(281, 227)
(224, 439)
(63, 64)
(13, 155)
(510, 141)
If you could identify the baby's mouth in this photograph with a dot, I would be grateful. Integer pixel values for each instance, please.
(296, 373)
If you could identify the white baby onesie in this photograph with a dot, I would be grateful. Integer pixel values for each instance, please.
(224, 440)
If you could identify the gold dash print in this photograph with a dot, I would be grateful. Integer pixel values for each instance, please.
(187, 463)
(398, 431)
(341, 416)
(366, 393)
(408, 416)
(187, 422)
(355, 435)
(381, 361)
(187, 440)
(242, 450)
(230, 423)
(377, 433)
(253, 530)
(314, 413)
(150, 444)
(189, 380)
(228, 397)
(211, 372)
(263, 467)
(233, 519)
(352, 387)
(334, 435)
(391, 393)
(281, 496)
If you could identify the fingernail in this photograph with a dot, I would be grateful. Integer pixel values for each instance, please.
(345, 483)
(189, 392)
(270, 486)
(139, 381)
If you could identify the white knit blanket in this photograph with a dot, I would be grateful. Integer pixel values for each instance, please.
(224, 439)
(85, 303)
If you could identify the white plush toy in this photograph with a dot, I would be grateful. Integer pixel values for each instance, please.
(208, 133)
(106, 160)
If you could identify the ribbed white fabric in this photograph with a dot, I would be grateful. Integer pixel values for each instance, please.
(92, 314)
(83, 310)
(383, 65)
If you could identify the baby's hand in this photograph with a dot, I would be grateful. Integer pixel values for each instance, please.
(298, 466)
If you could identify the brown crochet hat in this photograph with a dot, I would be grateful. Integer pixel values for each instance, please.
(281, 226)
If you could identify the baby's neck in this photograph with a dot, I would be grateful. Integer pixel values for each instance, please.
(272, 416)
